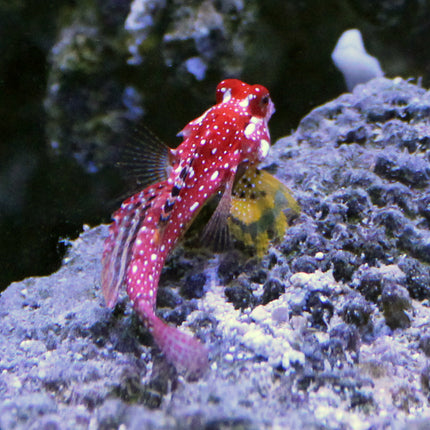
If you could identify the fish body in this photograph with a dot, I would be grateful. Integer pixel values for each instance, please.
(217, 147)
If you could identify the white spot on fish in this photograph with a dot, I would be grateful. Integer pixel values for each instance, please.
(201, 118)
(194, 206)
(244, 103)
(250, 128)
(153, 257)
(227, 95)
(264, 148)
(135, 268)
(214, 175)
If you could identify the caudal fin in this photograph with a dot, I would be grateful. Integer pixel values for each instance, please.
(185, 352)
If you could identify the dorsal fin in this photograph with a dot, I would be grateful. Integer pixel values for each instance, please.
(118, 247)
(145, 159)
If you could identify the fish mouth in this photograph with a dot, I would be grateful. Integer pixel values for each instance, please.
(271, 110)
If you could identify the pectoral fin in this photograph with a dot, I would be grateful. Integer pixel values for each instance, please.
(216, 234)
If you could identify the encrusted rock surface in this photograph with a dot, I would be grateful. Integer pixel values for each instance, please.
(329, 331)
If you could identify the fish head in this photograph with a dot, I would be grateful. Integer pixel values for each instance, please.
(231, 135)
(260, 103)
(255, 98)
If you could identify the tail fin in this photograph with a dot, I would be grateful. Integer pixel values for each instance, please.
(185, 352)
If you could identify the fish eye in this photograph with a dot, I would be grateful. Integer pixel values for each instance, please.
(265, 100)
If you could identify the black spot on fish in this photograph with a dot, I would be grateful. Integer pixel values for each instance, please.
(169, 206)
(184, 173)
(175, 190)
(164, 218)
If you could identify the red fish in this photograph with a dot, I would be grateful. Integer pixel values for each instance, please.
(217, 148)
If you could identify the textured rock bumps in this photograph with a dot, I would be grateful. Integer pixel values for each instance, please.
(328, 329)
